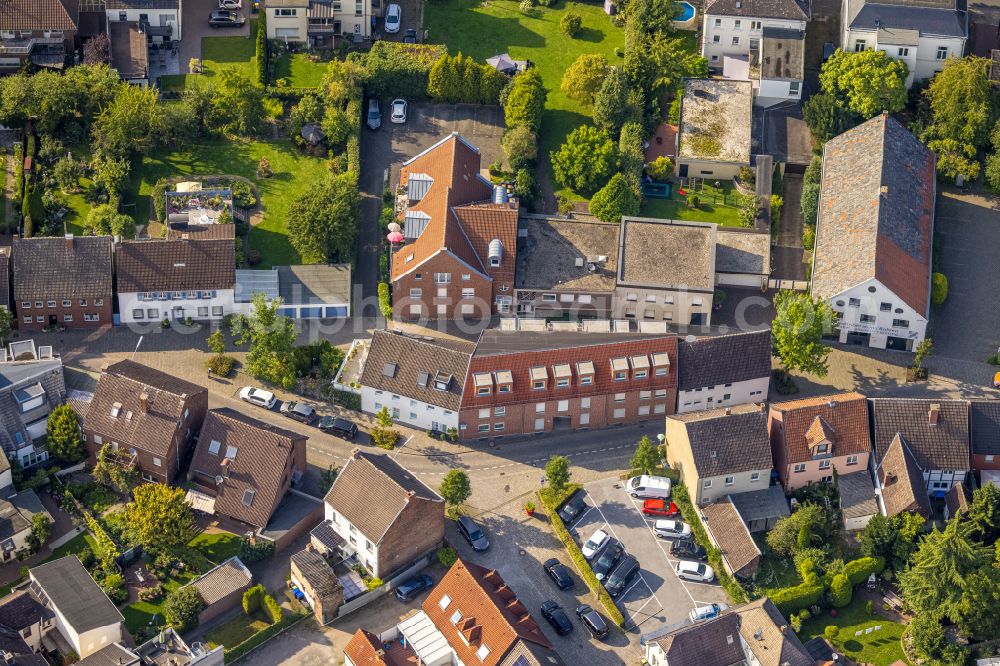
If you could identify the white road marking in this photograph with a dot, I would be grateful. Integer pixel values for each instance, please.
(659, 545)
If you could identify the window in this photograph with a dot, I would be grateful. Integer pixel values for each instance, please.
(854, 303)
(824, 464)
(539, 424)
(707, 483)
(661, 393)
(91, 317)
(632, 297)
(901, 323)
(619, 397)
(989, 459)
(539, 407)
(466, 277)
(39, 319)
(442, 278)
(563, 406)
(483, 652)
(942, 53)
(736, 41)
(483, 390)
(737, 24)
(859, 46)
(39, 304)
(231, 452)
(27, 319)
(83, 302)
(484, 413)
(620, 375)
(585, 381)
(416, 293)
(644, 410)
(800, 467)
(867, 319)
(852, 460)
(202, 312)
(157, 462)
(718, 23)
(538, 385)
(468, 292)
(793, 88)
(498, 426)
(248, 496)
(730, 480)
(444, 601)
(562, 383)
(285, 12)
(584, 299)
(370, 546)
(25, 305)
(500, 411)
(885, 307)
(645, 395)
(903, 52)
(138, 313)
(66, 303)
(67, 317)
(754, 477)
(418, 276)
(755, 25)
(484, 427)
(584, 403)
(641, 374)
(620, 413)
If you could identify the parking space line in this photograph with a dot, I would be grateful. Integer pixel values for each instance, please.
(648, 586)
(660, 546)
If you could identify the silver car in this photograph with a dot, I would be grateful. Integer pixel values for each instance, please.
(398, 114)
(393, 18)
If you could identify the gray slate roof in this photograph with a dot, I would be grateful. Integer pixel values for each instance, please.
(947, 19)
(318, 573)
(764, 504)
(941, 446)
(742, 252)
(780, 9)
(984, 424)
(113, 654)
(47, 268)
(22, 609)
(16, 512)
(222, 580)
(876, 213)
(728, 443)
(553, 247)
(71, 591)
(705, 644)
(365, 473)
(723, 359)
(667, 253)
(857, 494)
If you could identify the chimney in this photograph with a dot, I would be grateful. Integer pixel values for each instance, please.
(885, 189)
(933, 413)
(356, 454)
(763, 407)
(410, 495)
(69, 242)
(144, 403)
(225, 467)
(784, 629)
(310, 547)
(729, 411)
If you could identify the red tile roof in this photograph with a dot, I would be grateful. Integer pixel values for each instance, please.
(843, 416)
(31, 15)
(364, 648)
(491, 614)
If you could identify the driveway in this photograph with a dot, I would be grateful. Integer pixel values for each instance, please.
(656, 597)
(412, 19)
(383, 152)
(789, 259)
(194, 26)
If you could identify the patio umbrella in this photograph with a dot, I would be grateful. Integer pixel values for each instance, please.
(394, 226)
(395, 237)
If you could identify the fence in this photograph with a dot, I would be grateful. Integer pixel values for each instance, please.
(386, 588)
(794, 285)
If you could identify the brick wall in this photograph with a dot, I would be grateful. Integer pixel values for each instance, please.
(419, 528)
(56, 309)
(429, 298)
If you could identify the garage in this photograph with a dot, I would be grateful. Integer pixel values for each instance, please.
(306, 292)
(742, 258)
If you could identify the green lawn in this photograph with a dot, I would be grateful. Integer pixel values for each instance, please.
(880, 648)
(294, 175)
(217, 52)
(71, 547)
(715, 205)
(775, 571)
(237, 630)
(483, 30)
(141, 613)
(300, 70)
(217, 547)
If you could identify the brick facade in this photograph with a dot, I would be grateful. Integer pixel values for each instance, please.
(418, 530)
(430, 299)
(66, 312)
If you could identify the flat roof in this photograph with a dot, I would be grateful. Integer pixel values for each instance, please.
(557, 255)
(716, 116)
(738, 251)
(667, 253)
(317, 283)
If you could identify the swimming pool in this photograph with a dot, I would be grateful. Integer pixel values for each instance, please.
(686, 17)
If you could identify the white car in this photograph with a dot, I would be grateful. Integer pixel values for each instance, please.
(671, 529)
(594, 543)
(398, 114)
(696, 571)
(702, 613)
(259, 397)
(646, 486)
(393, 18)
(230, 4)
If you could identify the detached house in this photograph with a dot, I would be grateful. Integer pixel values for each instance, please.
(724, 370)
(31, 385)
(387, 534)
(245, 467)
(62, 282)
(921, 446)
(148, 417)
(41, 32)
(175, 279)
(317, 22)
(874, 234)
(460, 236)
(720, 452)
(921, 33)
(812, 438)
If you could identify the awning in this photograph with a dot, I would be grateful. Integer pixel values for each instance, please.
(201, 502)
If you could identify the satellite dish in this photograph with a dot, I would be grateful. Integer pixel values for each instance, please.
(219, 479)
(690, 338)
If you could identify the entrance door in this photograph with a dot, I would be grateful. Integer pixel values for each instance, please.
(53, 320)
(858, 339)
(897, 344)
(682, 171)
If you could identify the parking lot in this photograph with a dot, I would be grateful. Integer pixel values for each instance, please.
(656, 597)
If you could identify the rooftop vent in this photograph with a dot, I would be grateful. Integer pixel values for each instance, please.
(759, 634)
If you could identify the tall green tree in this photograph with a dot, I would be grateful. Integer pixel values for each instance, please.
(6, 325)
(557, 472)
(445, 82)
(646, 458)
(523, 100)
(182, 607)
(104, 220)
(895, 539)
(867, 82)
(962, 101)
(620, 197)
(979, 607)
(130, 124)
(797, 332)
(455, 487)
(611, 105)
(984, 513)
(827, 117)
(63, 435)
(160, 516)
(323, 222)
(586, 160)
(41, 530)
(271, 338)
(237, 103)
(583, 79)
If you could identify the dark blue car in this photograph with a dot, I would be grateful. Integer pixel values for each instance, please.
(411, 587)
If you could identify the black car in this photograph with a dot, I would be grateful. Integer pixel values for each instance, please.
(593, 621)
(559, 573)
(607, 557)
(473, 534)
(688, 550)
(410, 37)
(224, 18)
(338, 426)
(413, 586)
(557, 617)
(572, 508)
(620, 576)
(300, 411)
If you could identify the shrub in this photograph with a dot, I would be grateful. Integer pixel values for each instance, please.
(400, 70)
(810, 203)
(221, 365)
(570, 23)
(791, 599)
(374, 583)
(939, 288)
(869, 608)
(261, 550)
(114, 586)
(616, 199)
(182, 607)
(86, 557)
(858, 571)
(151, 593)
(159, 197)
(693, 201)
(520, 145)
(830, 632)
(447, 556)
(661, 168)
(384, 303)
(808, 237)
(796, 623)
(252, 598)
(841, 591)
(586, 160)
(272, 608)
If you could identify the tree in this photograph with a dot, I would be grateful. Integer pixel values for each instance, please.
(940, 571)
(570, 24)
(924, 349)
(557, 472)
(984, 513)
(671, 60)
(130, 124)
(104, 220)
(927, 635)
(383, 435)
(784, 537)
(661, 168)
(216, 342)
(63, 435)
(894, 539)
(961, 100)
(611, 104)
(586, 160)
(646, 458)
(979, 607)
(68, 172)
(584, 77)
(827, 117)
(271, 338)
(523, 100)
(323, 222)
(520, 145)
(160, 516)
(797, 332)
(620, 197)
(444, 82)
(109, 472)
(455, 487)
(866, 82)
(526, 187)
(237, 103)
(111, 173)
(261, 55)
(41, 530)
(97, 50)
(6, 324)
(182, 607)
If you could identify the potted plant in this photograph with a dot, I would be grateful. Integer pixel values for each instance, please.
(529, 508)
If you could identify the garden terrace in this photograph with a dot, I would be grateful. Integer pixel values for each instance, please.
(193, 207)
(716, 116)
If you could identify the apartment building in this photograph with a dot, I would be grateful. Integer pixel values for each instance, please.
(723, 370)
(41, 32)
(62, 282)
(159, 21)
(522, 382)
(317, 22)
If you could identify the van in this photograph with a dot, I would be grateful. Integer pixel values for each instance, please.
(649, 486)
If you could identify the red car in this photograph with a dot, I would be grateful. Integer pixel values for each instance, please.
(659, 507)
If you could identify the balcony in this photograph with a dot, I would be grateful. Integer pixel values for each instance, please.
(24, 46)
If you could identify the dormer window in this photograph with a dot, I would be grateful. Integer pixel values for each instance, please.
(619, 368)
(563, 374)
(116, 409)
(504, 380)
(640, 367)
(661, 364)
(538, 375)
(442, 381)
(483, 382)
(585, 372)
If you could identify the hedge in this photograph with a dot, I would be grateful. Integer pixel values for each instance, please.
(550, 505)
(272, 608)
(400, 70)
(347, 399)
(252, 598)
(384, 303)
(858, 571)
(241, 650)
(939, 288)
(793, 599)
(841, 591)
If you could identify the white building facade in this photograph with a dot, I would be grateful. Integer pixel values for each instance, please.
(155, 306)
(872, 315)
(723, 395)
(410, 411)
(161, 20)
(315, 21)
(354, 539)
(728, 35)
